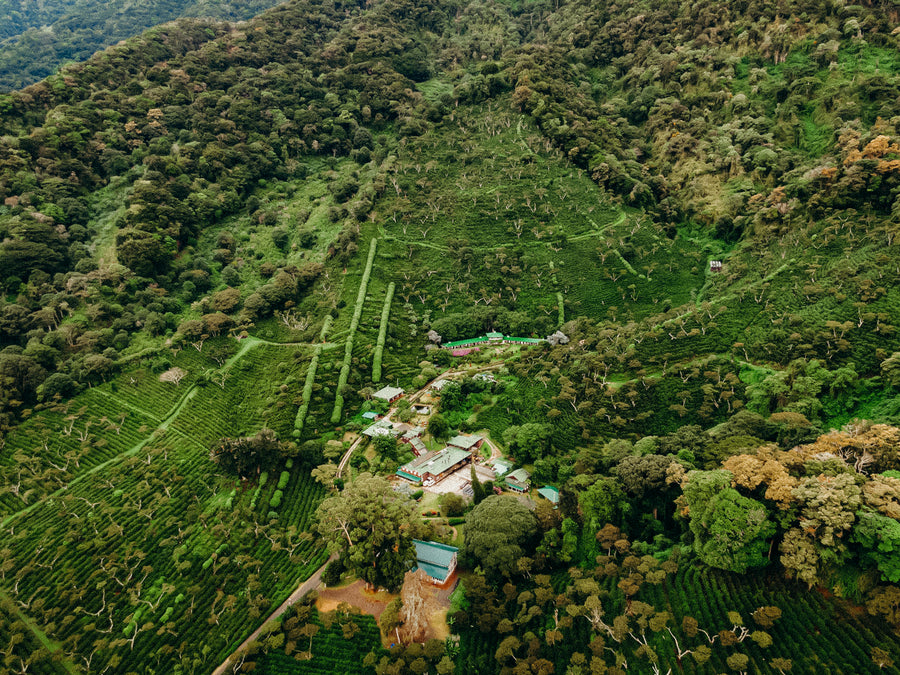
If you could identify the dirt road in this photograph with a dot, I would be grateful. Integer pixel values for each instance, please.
(304, 588)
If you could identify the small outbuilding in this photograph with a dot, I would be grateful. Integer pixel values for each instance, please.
(371, 415)
(409, 433)
(501, 466)
(519, 481)
(389, 394)
(438, 561)
(418, 446)
(550, 493)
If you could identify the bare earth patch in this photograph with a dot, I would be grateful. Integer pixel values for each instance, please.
(373, 603)
(355, 595)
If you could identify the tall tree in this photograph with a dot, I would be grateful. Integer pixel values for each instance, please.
(372, 527)
(498, 532)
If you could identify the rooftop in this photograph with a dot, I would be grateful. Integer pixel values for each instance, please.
(371, 415)
(464, 442)
(382, 427)
(501, 466)
(434, 558)
(413, 432)
(387, 393)
(519, 476)
(436, 462)
(550, 493)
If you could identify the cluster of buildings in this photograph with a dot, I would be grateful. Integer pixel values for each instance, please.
(430, 467)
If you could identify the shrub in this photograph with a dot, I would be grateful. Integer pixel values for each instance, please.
(283, 479)
(275, 501)
(354, 323)
(332, 574)
(382, 334)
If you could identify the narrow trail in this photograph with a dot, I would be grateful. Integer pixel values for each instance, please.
(301, 590)
(164, 425)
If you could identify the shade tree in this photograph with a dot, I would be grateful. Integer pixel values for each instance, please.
(372, 528)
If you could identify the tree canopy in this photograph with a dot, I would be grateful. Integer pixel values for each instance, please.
(372, 528)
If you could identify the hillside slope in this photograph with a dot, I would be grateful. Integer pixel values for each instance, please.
(38, 37)
(200, 227)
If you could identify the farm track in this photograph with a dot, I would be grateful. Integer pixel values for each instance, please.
(489, 249)
(305, 587)
(415, 396)
(163, 424)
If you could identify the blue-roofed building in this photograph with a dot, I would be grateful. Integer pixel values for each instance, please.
(549, 493)
(371, 415)
(438, 561)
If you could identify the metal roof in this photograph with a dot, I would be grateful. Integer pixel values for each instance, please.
(501, 467)
(550, 493)
(464, 442)
(436, 462)
(387, 393)
(519, 476)
(434, 558)
(408, 476)
(382, 427)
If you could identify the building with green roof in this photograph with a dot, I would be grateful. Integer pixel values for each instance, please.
(438, 561)
(434, 466)
(491, 338)
(389, 394)
(549, 493)
(518, 481)
(466, 442)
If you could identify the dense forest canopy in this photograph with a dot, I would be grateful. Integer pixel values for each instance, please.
(38, 37)
(221, 238)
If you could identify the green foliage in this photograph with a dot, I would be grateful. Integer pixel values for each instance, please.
(311, 369)
(244, 455)
(382, 334)
(733, 532)
(340, 643)
(880, 538)
(354, 323)
(367, 521)
(438, 426)
(498, 532)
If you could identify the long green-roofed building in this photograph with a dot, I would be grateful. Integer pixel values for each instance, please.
(491, 338)
(434, 466)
